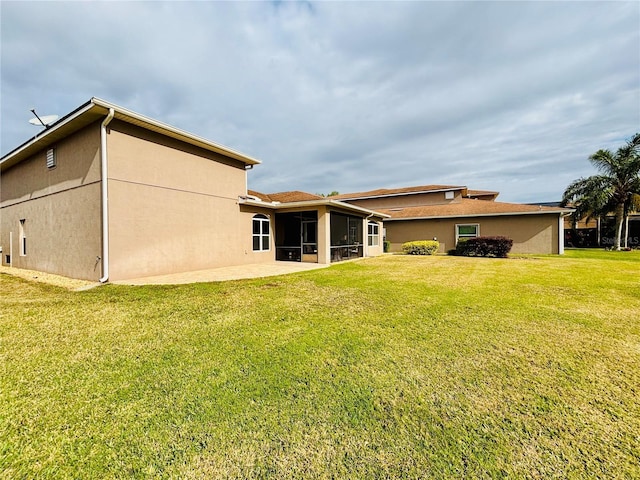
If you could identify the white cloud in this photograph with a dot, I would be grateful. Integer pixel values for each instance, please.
(347, 96)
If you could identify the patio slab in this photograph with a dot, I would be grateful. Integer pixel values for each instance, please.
(236, 272)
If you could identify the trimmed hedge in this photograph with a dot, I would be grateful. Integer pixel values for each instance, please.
(484, 247)
(421, 247)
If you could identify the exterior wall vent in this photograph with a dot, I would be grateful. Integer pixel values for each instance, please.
(51, 158)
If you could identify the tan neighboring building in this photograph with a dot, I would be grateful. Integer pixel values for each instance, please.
(447, 213)
(108, 194)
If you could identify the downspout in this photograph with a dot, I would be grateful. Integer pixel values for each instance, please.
(561, 234)
(104, 196)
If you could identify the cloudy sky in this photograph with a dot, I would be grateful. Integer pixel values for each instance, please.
(346, 96)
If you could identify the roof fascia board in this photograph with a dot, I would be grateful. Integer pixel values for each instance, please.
(473, 215)
(56, 126)
(123, 113)
(367, 197)
(311, 203)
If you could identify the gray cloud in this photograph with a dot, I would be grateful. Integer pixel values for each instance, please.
(347, 96)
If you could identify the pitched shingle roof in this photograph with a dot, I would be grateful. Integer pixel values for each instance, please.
(285, 197)
(481, 193)
(468, 208)
(383, 192)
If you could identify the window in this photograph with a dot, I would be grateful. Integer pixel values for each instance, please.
(51, 158)
(23, 239)
(373, 234)
(260, 233)
(448, 195)
(467, 231)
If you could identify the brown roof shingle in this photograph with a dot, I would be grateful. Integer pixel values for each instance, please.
(381, 192)
(467, 208)
(285, 197)
(482, 193)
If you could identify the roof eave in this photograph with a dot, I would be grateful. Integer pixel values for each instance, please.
(472, 215)
(311, 203)
(155, 125)
(367, 197)
(43, 136)
(101, 108)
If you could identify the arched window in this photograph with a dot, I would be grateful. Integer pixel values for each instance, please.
(260, 233)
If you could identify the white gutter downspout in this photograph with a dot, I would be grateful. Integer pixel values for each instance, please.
(105, 203)
(561, 232)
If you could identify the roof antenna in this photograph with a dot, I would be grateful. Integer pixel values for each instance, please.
(45, 121)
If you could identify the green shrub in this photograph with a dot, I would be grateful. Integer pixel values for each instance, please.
(484, 247)
(421, 247)
(387, 246)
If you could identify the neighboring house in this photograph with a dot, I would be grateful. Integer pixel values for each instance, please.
(448, 213)
(105, 194)
(598, 231)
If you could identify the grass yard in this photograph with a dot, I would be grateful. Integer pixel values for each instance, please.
(394, 367)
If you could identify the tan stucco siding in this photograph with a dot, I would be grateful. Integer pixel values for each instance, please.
(60, 208)
(434, 198)
(62, 232)
(78, 163)
(530, 233)
(155, 231)
(174, 208)
(144, 157)
(399, 232)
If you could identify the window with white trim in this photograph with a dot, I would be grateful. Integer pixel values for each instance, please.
(373, 234)
(464, 231)
(260, 233)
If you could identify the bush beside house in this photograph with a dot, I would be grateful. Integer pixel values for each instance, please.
(421, 247)
(484, 247)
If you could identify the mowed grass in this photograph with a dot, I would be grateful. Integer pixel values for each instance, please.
(394, 367)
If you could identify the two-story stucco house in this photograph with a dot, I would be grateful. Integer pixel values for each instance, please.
(106, 194)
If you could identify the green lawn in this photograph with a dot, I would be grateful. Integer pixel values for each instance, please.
(395, 367)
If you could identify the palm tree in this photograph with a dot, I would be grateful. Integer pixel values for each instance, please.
(614, 190)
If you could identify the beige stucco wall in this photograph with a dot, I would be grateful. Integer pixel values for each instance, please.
(530, 233)
(174, 207)
(434, 198)
(61, 209)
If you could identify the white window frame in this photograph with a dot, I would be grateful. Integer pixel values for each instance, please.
(373, 238)
(465, 235)
(261, 219)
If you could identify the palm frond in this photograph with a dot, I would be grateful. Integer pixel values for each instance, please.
(604, 161)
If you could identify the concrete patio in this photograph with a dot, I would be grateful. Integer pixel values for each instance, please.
(236, 272)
